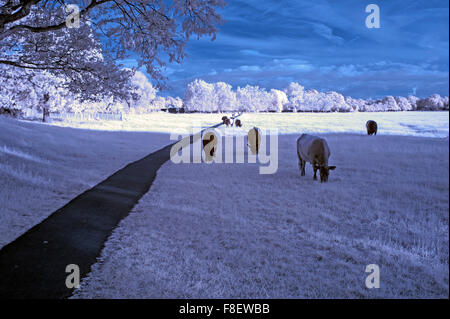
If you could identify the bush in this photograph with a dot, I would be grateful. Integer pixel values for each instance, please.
(10, 112)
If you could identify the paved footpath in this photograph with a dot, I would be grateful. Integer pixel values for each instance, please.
(34, 265)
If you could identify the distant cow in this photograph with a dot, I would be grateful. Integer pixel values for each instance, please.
(314, 150)
(254, 140)
(226, 121)
(238, 123)
(371, 127)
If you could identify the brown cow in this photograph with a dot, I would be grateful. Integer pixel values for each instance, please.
(209, 138)
(371, 127)
(226, 121)
(254, 140)
(314, 150)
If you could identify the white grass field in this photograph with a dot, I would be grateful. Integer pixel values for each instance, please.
(43, 167)
(225, 231)
(424, 124)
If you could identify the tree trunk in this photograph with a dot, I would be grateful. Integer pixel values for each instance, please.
(45, 112)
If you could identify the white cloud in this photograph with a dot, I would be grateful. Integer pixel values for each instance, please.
(251, 52)
(254, 68)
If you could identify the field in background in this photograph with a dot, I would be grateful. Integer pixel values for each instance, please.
(426, 124)
(224, 231)
(43, 167)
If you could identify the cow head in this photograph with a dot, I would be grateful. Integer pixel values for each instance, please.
(325, 172)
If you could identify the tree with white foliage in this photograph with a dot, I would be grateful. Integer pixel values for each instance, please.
(225, 97)
(403, 103)
(74, 56)
(199, 96)
(84, 48)
(173, 102)
(384, 105)
(314, 101)
(144, 92)
(158, 104)
(432, 103)
(252, 99)
(205, 97)
(29, 90)
(335, 102)
(446, 103)
(294, 92)
(357, 105)
(309, 102)
(278, 100)
(413, 101)
(16, 94)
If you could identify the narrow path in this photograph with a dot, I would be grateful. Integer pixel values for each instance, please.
(33, 266)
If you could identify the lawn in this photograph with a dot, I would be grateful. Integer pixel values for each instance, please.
(225, 231)
(43, 167)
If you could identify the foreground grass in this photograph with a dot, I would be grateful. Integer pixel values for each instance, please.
(43, 167)
(224, 231)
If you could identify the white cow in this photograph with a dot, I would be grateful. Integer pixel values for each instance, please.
(314, 150)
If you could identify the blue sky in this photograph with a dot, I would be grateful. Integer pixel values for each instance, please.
(325, 45)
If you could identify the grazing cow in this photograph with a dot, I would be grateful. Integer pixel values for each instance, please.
(209, 142)
(238, 123)
(371, 127)
(314, 150)
(226, 120)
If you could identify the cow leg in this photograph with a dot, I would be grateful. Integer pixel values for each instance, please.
(315, 173)
(301, 165)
